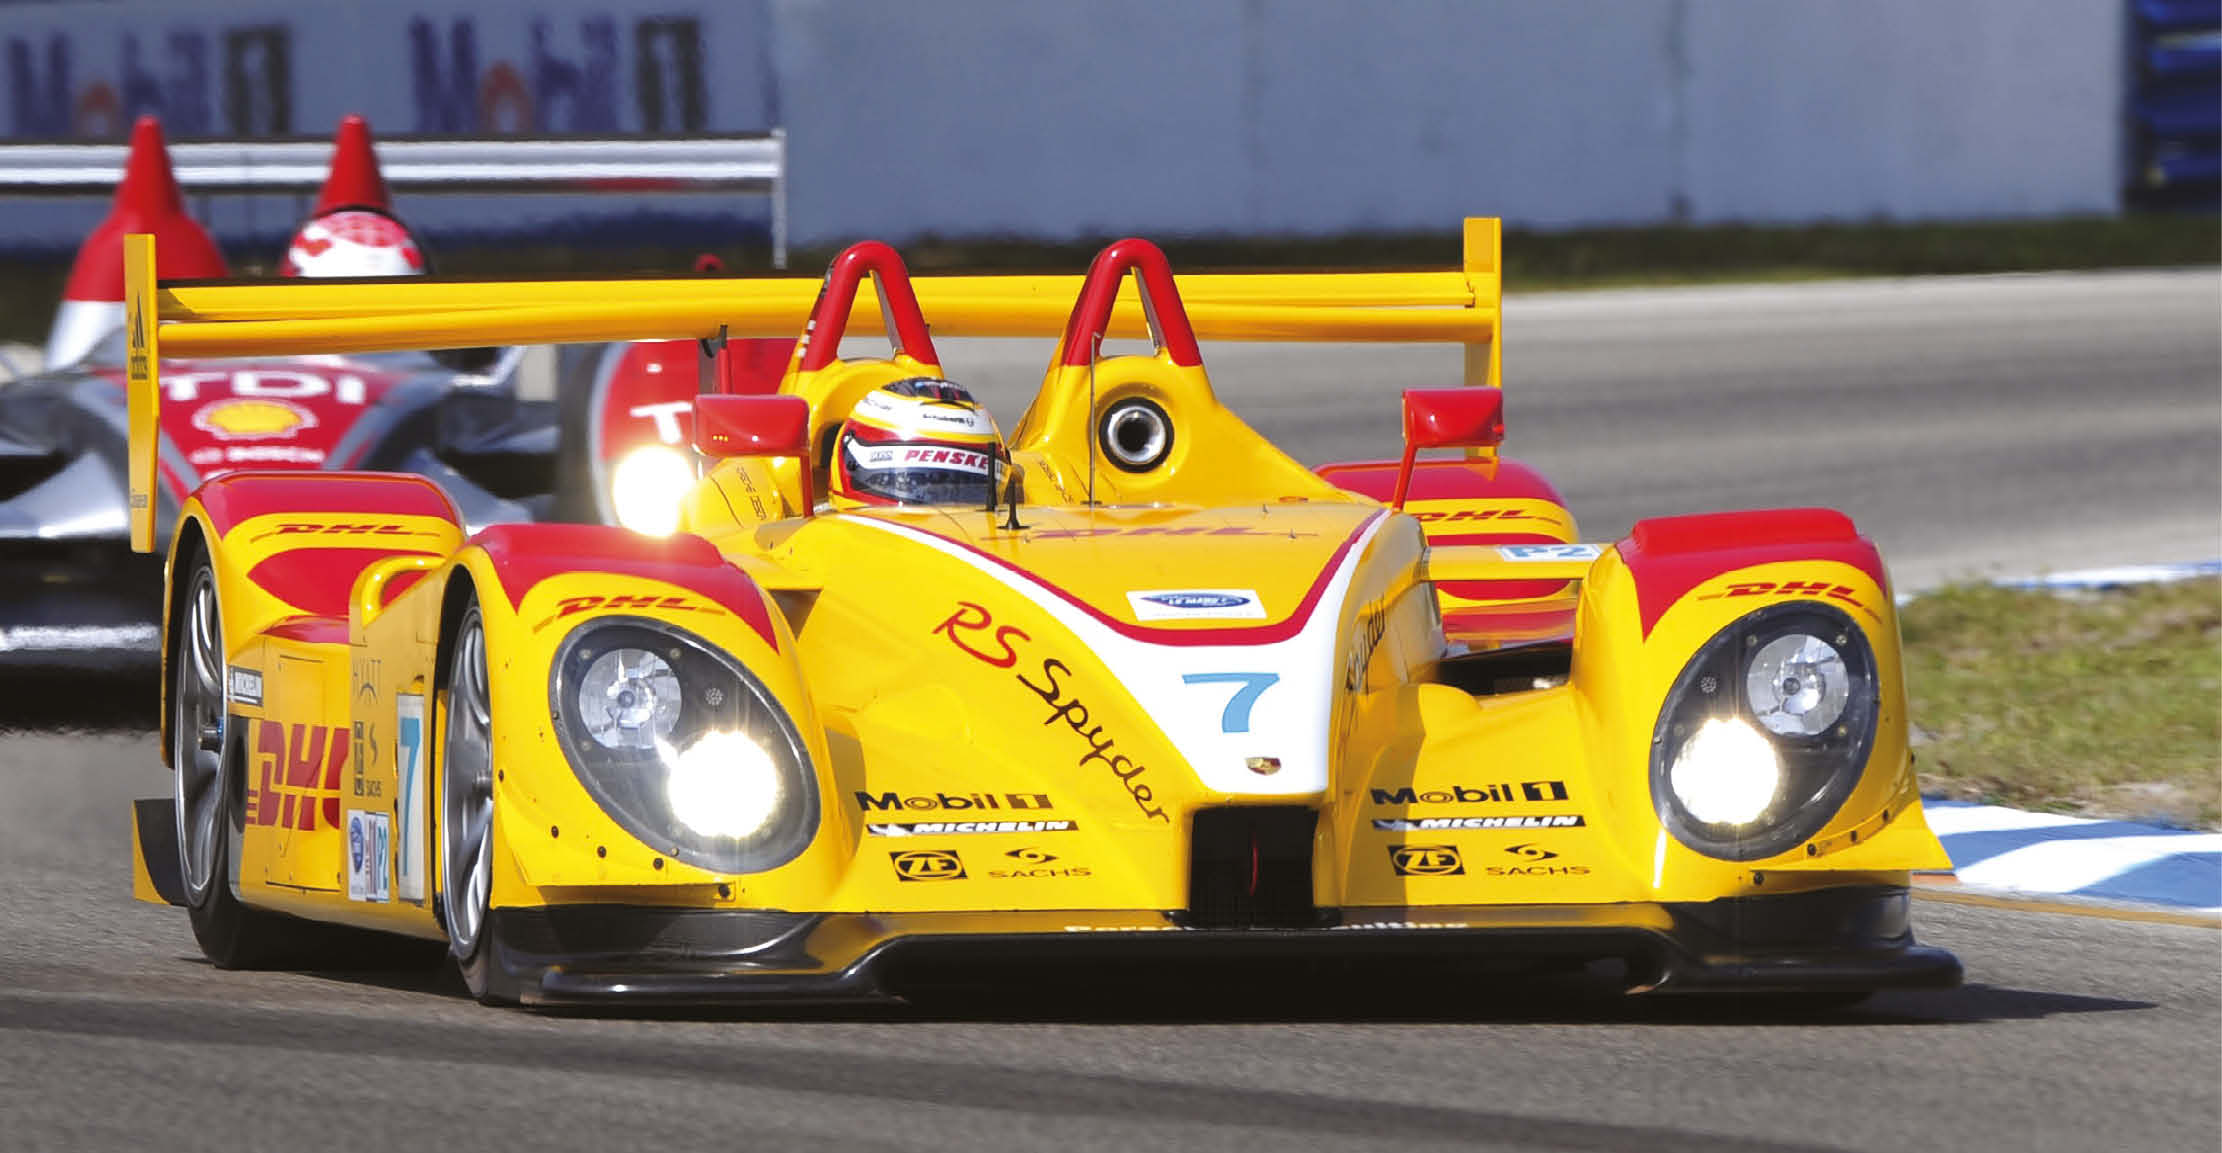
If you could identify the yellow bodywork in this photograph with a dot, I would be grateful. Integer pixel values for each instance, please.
(947, 668)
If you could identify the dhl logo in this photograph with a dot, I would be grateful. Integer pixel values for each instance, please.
(1475, 514)
(343, 528)
(1787, 588)
(371, 528)
(296, 774)
(573, 606)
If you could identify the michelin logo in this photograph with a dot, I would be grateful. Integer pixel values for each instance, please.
(939, 828)
(1431, 824)
(1196, 604)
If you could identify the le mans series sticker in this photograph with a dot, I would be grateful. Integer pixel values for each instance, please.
(369, 848)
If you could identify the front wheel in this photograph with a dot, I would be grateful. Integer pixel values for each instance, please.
(466, 800)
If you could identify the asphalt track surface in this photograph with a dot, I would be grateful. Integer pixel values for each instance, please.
(2013, 424)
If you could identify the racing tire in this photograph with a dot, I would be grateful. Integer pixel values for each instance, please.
(208, 790)
(465, 792)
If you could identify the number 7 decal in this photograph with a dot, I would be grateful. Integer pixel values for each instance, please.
(1236, 718)
(408, 766)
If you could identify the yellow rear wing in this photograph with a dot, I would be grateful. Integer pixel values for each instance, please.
(306, 317)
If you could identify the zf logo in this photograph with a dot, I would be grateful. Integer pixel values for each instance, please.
(1425, 860)
(928, 865)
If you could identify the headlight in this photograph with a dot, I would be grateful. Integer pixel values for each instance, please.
(725, 784)
(1765, 732)
(1797, 685)
(629, 699)
(648, 486)
(1725, 774)
(681, 746)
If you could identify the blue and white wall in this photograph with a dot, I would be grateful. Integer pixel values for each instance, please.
(1052, 120)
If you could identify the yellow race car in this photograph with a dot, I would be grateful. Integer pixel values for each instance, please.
(1155, 691)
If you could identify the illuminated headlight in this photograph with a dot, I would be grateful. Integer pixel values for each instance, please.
(1726, 773)
(723, 785)
(681, 746)
(648, 486)
(1765, 732)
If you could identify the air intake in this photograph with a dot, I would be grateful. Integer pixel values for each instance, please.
(1251, 868)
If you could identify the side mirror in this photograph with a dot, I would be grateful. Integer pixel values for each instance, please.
(1447, 418)
(777, 425)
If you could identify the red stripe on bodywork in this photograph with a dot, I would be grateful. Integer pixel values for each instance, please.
(310, 630)
(318, 580)
(1669, 556)
(1495, 590)
(526, 554)
(237, 497)
(1230, 635)
(398, 584)
(1443, 480)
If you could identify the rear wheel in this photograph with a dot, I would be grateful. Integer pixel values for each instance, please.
(231, 935)
(466, 784)
(208, 795)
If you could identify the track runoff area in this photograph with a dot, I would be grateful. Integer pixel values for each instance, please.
(1963, 423)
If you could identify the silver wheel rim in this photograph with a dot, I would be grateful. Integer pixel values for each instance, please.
(197, 732)
(467, 792)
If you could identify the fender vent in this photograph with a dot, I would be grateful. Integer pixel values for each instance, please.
(1251, 868)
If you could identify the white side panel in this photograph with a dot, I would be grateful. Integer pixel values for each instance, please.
(1219, 704)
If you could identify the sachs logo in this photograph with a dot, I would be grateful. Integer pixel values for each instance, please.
(1426, 860)
(928, 865)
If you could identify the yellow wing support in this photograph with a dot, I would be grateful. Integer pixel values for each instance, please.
(142, 388)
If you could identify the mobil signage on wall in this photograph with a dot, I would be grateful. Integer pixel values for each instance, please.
(256, 68)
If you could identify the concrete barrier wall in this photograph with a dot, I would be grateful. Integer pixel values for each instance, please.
(1055, 120)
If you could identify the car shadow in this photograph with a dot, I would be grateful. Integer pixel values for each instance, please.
(1595, 995)
(69, 701)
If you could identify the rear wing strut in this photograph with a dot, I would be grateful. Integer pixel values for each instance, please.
(306, 317)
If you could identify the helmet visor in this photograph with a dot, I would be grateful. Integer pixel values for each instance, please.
(920, 472)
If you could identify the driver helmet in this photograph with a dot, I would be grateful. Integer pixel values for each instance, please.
(917, 441)
(353, 242)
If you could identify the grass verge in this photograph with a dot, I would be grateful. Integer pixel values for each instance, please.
(2103, 704)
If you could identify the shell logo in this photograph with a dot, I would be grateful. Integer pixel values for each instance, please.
(240, 419)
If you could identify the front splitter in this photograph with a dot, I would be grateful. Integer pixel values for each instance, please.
(1845, 940)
